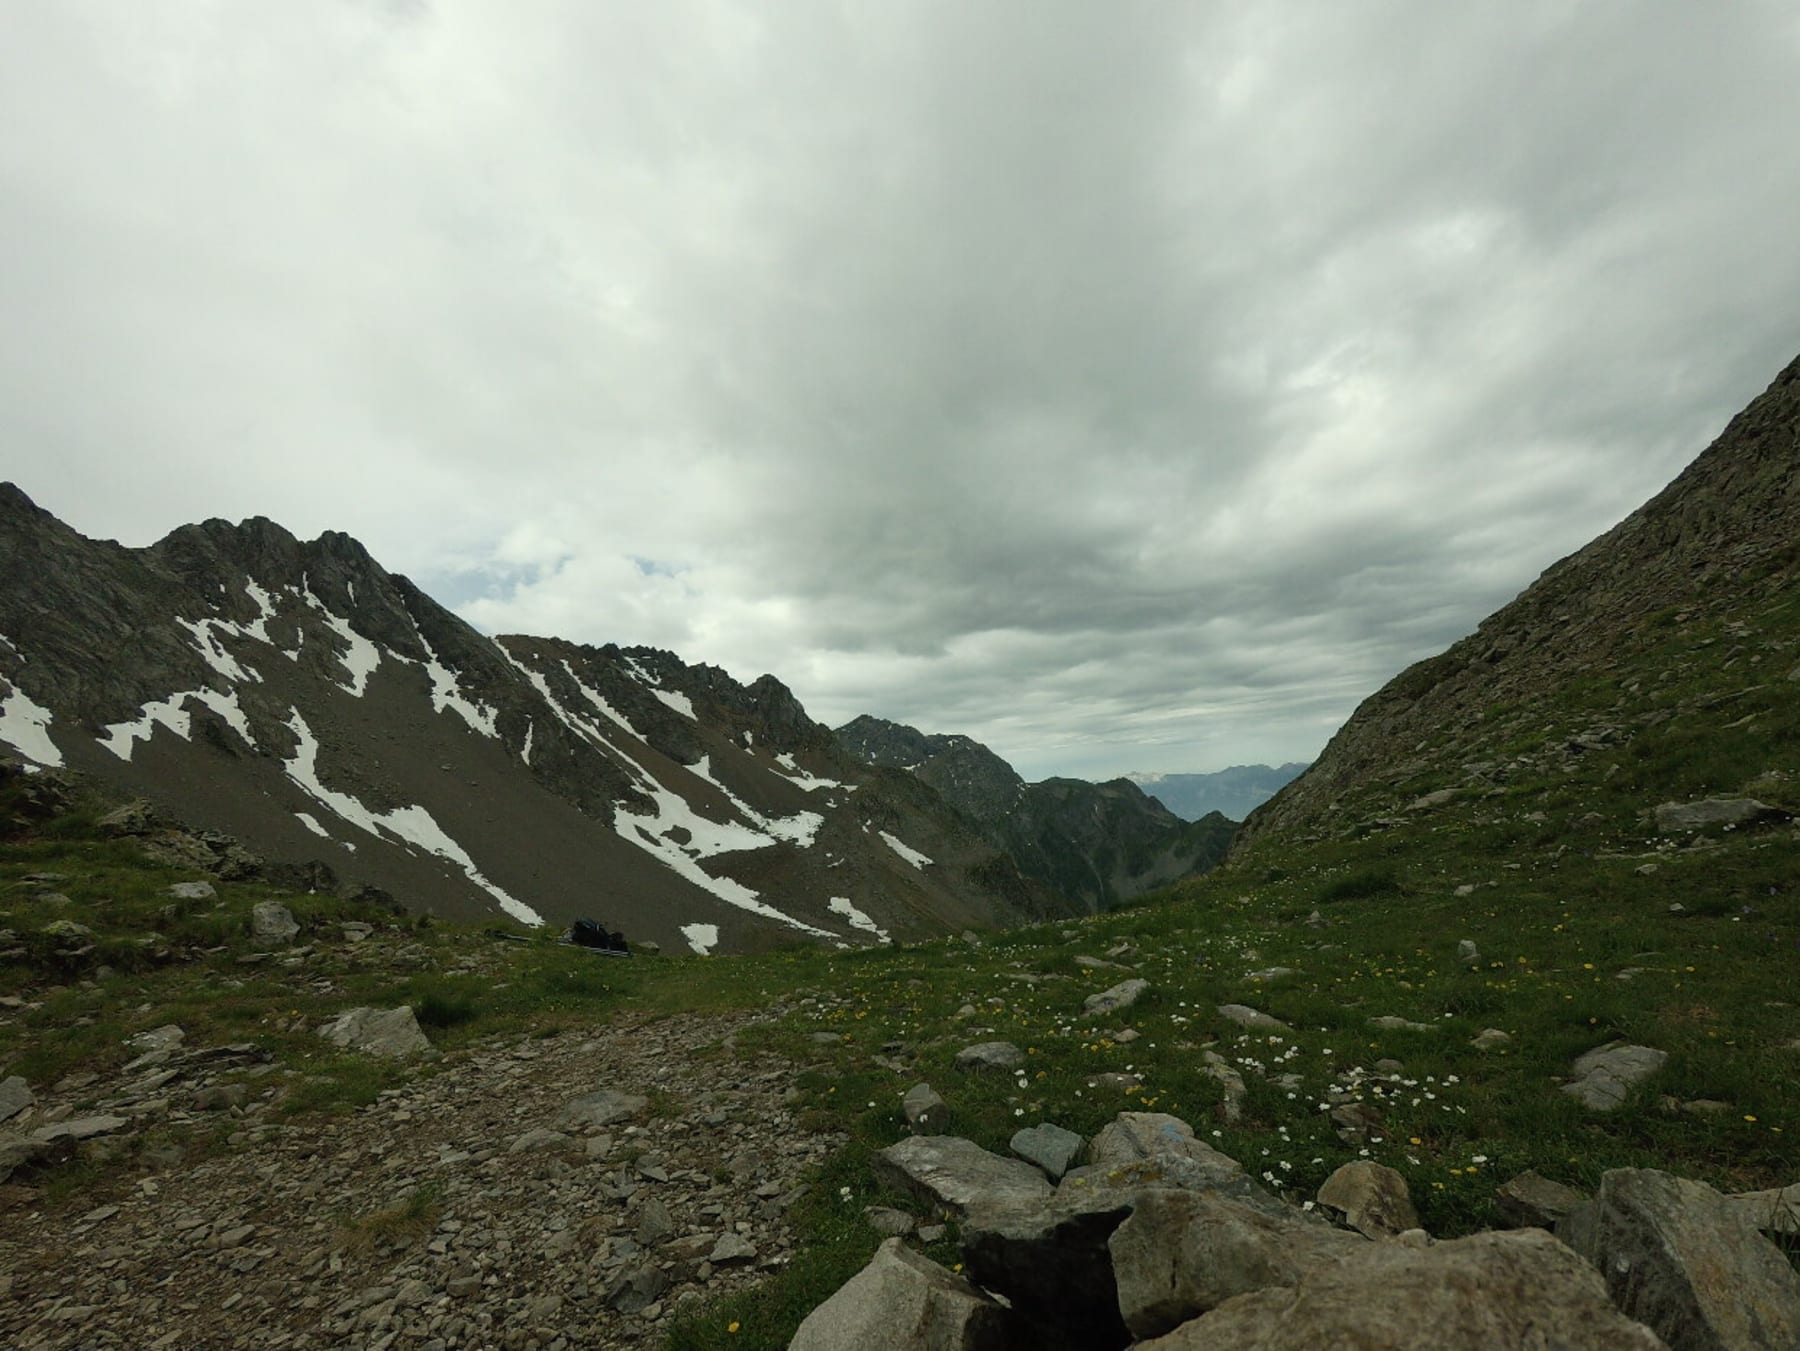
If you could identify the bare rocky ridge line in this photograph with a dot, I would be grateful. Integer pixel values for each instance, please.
(1724, 532)
(549, 1221)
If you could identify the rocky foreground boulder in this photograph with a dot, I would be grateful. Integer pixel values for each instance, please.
(1159, 1241)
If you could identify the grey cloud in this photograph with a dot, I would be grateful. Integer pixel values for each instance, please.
(1133, 388)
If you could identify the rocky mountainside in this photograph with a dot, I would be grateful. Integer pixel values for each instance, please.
(1094, 844)
(322, 710)
(1234, 793)
(1720, 543)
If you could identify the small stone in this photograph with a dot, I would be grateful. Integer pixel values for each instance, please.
(538, 1140)
(1531, 1201)
(191, 891)
(1467, 953)
(272, 924)
(731, 1248)
(1050, 1147)
(1491, 1039)
(603, 1107)
(990, 1057)
(1603, 1078)
(888, 1222)
(922, 1105)
(1372, 1198)
(15, 1097)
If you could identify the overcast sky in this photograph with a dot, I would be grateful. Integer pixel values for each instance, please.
(1132, 386)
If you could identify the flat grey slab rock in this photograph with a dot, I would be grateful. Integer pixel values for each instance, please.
(1714, 812)
(600, 1108)
(1121, 996)
(1050, 1147)
(1682, 1258)
(957, 1174)
(1531, 1201)
(902, 1301)
(1603, 1078)
(81, 1128)
(1254, 1019)
(393, 1033)
(1488, 1291)
(1776, 1211)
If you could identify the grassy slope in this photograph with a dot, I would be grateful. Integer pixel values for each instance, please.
(1580, 946)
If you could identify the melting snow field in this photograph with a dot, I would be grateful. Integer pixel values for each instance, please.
(311, 824)
(702, 938)
(412, 824)
(24, 725)
(840, 905)
(675, 700)
(907, 852)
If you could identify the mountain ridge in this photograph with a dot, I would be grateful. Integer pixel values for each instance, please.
(1097, 844)
(300, 697)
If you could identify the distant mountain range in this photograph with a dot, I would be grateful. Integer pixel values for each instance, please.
(298, 696)
(1233, 793)
(1094, 843)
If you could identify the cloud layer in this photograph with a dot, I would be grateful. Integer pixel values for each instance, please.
(1129, 387)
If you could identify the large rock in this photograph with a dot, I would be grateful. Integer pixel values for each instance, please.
(1372, 1198)
(1679, 1256)
(1520, 1289)
(1715, 812)
(956, 1174)
(384, 1032)
(77, 1128)
(1180, 1254)
(602, 1107)
(272, 924)
(904, 1302)
(1603, 1078)
(1121, 996)
(1155, 1149)
(1049, 1258)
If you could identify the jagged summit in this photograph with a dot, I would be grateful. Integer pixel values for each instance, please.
(298, 695)
(1721, 538)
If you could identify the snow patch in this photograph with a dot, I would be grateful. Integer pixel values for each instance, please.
(205, 633)
(312, 825)
(446, 693)
(25, 726)
(122, 737)
(907, 852)
(598, 700)
(676, 700)
(360, 658)
(702, 938)
(525, 750)
(412, 825)
(840, 905)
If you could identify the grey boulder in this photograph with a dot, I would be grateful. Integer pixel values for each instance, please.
(1602, 1079)
(272, 923)
(1121, 996)
(600, 1108)
(1181, 1254)
(904, 1302)
(1519, 1289)
(922, 1104)
(1372, 1198)
(15, 1097)
(1253, 1019)
(1679, 1256)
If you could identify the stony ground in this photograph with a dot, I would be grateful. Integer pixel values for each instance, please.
(525, 1228)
